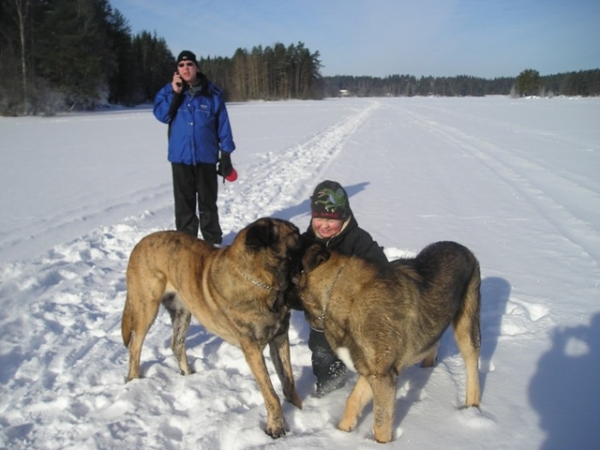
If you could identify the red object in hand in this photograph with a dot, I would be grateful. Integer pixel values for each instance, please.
(232, 176)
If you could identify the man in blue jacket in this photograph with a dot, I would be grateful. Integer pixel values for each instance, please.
(200, 138)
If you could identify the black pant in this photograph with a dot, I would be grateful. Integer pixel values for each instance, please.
(325, 363)
(191, 185)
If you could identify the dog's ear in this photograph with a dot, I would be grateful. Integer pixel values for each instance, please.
(305, 242)
(314, 256)
(260, 234)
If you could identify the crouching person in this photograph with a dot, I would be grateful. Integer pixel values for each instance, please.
(333, 224)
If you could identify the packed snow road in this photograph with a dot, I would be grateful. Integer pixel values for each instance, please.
(514, 180)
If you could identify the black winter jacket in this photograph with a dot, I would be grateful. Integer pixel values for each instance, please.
(353, 240)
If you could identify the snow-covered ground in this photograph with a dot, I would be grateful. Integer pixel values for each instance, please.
(516, 180)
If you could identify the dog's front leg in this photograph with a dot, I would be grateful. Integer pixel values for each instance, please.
(384, 399)
(279, 349)
(256, 361)
(357, 400)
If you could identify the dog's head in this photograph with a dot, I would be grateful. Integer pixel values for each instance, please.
(312, 254)
(292, 296)
(276, 235)
(276, 244)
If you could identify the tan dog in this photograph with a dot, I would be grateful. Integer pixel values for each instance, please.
(235, 292)
(380, 320)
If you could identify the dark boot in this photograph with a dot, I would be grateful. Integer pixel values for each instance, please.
(327, 367)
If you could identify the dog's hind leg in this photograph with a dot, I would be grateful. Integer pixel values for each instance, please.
(468, 337)
(180, 318)
(384, 400)
(470, 353)
(360, 396)
(141, 308)
(279, 349)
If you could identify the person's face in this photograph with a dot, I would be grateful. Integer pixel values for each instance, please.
(187, 70)
(326, 228)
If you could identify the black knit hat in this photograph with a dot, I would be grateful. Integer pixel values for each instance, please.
(186, 55)
(330, 201)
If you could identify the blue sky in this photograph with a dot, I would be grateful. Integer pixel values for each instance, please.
(483, 38)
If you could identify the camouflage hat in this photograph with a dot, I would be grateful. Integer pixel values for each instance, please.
(330, 201)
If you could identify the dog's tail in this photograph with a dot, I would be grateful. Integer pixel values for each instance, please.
(468, 334)
(472, 304)
(127, 322)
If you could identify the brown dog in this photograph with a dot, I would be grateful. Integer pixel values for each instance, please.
(382, 319)
(235, 292)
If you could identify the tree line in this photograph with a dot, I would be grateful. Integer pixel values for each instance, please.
(58, 55)
(527, 83)
(79, 54)
(75, 54)
(270, 73)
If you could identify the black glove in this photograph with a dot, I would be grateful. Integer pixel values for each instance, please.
(225, 167)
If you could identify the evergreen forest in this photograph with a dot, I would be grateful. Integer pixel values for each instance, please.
(61, 55)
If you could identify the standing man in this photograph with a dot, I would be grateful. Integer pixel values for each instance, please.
(199, 138)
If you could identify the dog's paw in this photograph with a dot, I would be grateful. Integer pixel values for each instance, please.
(384, 439)
(347, 424)
(295, 400)
(131, 377)
(275, 431)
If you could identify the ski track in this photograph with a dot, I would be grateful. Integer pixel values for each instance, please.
(519, 173)
(78, 218)
(74, 296)
(286, 174)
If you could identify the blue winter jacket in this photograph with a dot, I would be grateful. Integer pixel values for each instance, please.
(200, 127)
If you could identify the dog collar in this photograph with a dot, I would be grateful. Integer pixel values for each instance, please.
(322, 316)
(247, 277)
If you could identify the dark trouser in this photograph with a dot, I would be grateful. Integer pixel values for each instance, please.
(325, 363)
(197, 185)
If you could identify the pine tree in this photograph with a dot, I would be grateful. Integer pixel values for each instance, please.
(154, 65)
(528, 83)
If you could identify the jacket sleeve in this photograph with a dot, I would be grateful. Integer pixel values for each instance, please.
(162, 103)
(365, 247)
